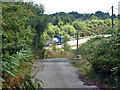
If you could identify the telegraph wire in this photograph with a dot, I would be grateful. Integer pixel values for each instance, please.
(109, 9)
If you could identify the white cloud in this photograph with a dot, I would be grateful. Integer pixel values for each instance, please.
(81, 6)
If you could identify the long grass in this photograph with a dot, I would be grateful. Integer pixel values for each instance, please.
(60, 54)
(94, 55)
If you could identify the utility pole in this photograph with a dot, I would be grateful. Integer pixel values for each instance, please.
(112, 17)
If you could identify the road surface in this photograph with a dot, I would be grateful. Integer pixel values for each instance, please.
(73, 43)
(58, 73)
(80, 41)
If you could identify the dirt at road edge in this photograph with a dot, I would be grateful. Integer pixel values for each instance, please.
(87, 81)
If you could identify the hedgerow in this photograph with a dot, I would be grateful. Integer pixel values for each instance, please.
(104, 56)
(18, 34)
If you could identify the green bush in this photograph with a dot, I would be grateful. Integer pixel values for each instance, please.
(18, 33)
(104, 56)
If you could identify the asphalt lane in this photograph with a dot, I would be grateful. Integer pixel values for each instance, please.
(72, 43)
(58, 73)
(80, 41)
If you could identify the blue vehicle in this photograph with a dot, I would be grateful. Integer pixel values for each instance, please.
(60, 39)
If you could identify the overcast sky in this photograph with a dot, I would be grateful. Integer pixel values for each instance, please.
(81, 6)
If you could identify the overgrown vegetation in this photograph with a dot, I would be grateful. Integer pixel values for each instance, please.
(25, 28)
(101, 59)
(94, 26)
(63, 52)
(22, 28)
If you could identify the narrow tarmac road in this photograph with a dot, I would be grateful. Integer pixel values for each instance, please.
(80, 41)
(58, 73)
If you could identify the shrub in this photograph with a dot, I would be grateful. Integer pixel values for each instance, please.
(104, 56)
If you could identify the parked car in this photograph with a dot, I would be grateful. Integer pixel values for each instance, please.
(48, 42)
(55, 40)
(58, 40)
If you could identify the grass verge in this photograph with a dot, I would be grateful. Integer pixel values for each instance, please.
(97, 58)
(60, 53)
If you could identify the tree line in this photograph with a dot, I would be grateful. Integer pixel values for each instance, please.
(72, 16)
(94, 26)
